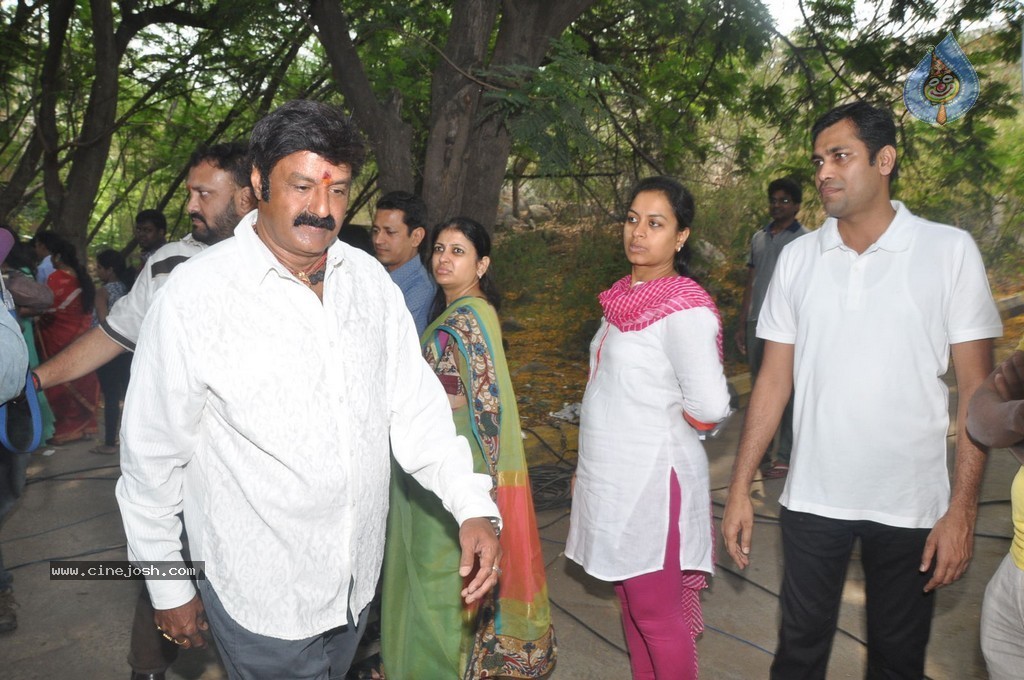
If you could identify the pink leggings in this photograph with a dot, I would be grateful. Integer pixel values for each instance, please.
(661, 612)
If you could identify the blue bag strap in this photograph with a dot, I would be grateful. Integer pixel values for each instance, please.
(37, 419)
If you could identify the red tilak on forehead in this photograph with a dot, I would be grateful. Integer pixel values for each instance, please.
(326, 179)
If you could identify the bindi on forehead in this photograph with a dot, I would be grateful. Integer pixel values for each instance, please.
(326, 179)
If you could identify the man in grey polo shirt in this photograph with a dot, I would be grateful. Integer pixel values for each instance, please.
(784, 198)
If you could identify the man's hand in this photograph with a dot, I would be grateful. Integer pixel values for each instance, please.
(1009, 378)
(1009, 383)
(184, 625)
(737, 525)
(480, 550)
(951, 545)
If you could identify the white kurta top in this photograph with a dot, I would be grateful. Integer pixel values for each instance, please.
(632, 434)
(265, 415)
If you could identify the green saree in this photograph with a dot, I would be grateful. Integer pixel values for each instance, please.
(426, 630)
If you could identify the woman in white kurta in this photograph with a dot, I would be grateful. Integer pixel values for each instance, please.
(641, 514)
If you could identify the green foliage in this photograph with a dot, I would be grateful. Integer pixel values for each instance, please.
(520, 262)
(700, 89)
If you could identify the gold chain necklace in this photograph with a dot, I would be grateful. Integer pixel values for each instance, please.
(314, 274)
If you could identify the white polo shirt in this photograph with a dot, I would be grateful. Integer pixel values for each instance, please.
(872, 335)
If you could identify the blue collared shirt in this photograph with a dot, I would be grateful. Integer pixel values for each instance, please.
(418, 289)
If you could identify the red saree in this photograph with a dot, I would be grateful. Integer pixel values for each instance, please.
(74, 403)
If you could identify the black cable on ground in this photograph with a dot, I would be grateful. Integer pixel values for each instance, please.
(33, 480)
(58, 527)
(46, 560)
(551, 483)
(554, 521)
(551, 487)
(560, 457)
(583, 623)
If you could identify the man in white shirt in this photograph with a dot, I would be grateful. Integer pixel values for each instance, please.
(267, 379)
(860, 319)
(219, 193)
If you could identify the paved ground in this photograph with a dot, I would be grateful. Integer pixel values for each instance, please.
(80, 629)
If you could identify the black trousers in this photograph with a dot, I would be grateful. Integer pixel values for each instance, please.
(816, 551)
(149, 652)
(113, 377)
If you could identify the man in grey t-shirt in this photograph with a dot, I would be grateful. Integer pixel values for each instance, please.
(784, 197)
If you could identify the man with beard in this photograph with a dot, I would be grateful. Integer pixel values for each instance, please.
(269, 377)
(219, 194)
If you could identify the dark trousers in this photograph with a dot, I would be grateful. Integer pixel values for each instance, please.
(251, 656)
(149, 651)
(816, 551)
(113, 378)
(12, 467)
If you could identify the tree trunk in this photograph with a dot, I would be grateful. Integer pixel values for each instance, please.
(468, 148)
(93, 144)
(389, 136)
(464, 163)
(454, 101)
(49, 81)
(14, 191)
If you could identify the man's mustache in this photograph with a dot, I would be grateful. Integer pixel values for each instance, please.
(311, 220)
(197, 217)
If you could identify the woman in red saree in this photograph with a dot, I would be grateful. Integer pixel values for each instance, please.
(74, 403)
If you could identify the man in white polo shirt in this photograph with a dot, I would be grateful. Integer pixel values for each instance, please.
(859, 320)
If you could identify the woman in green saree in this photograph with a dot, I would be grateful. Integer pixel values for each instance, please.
(427, 631)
